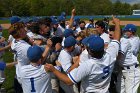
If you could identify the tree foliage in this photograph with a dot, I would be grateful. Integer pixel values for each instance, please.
(55, 7)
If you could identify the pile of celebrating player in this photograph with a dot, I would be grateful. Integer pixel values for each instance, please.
(52, 55)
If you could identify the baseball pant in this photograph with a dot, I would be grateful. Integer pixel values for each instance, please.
(128, 80)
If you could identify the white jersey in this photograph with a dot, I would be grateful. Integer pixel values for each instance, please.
(125, 48)
(105, 37)
(20, 50)
(87, 25)
(84, 56)
(135, 43)
(95, 74)
(65, 60)
(58, 33)
(35, 79)
(10, 38)
(78, 29)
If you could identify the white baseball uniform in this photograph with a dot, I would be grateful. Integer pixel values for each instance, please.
(65, 59)
(135, 43)
(96, 75)
(20, 49)
(35, 79)
(84, 56)
(129, 78)
(58, 33)
(105, 37)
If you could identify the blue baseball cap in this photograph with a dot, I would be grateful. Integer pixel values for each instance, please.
(55, 21)
(35, 19)
(85, 40)
(91, 19)
(69, 41)
(95, 43)
(63, 14)
(14, 19)
(61, 18)
(77, 19)
(90, 26)
(34, 53)
(130, 27)
(68, 32)
(2, 65)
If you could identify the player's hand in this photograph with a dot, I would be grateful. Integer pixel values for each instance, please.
(73, 12)
(37, 42)
(75, 59)
(49, 42)
(58, 47)
(115, 20)
(57, 63)
(49, 67)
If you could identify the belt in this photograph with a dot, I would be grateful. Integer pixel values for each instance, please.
(130, 67)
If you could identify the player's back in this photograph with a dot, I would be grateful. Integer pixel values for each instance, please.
(35, 79)
(98, 79)
(98, 71)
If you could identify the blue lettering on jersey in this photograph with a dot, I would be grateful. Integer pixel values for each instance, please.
(32, 85)
(106, 72)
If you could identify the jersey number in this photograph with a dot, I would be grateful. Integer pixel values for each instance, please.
(106, 72)
(32, 85)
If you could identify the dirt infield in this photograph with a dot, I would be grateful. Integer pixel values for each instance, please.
(137, 23)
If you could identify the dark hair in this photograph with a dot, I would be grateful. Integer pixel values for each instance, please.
(14, 29)
(82, 22)
(48, 20)
(45, 22)
(56, 40)
(96, 54)
(34, 28)
(100, 23)
(112, 28)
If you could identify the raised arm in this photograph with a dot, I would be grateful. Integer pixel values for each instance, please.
(61, 76)
(73, 13)
(117, 32)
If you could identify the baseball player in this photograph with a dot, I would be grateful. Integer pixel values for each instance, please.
(65, 59)
(95, 77)
(20, 47)
(34, 79)
(56, 29)
(130, 33)
(3, 44)
(129, 78)
(90, 24)
(100, 27)
(81, 26)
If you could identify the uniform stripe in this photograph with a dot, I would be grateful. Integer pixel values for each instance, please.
(122, 52)
(116, 42)
(74, 81)
(67, 69)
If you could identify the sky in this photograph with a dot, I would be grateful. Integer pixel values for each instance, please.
(129, 1)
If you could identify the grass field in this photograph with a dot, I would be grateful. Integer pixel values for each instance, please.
(4, 21)
(10, 72)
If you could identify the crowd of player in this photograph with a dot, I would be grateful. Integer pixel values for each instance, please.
(52, 55)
